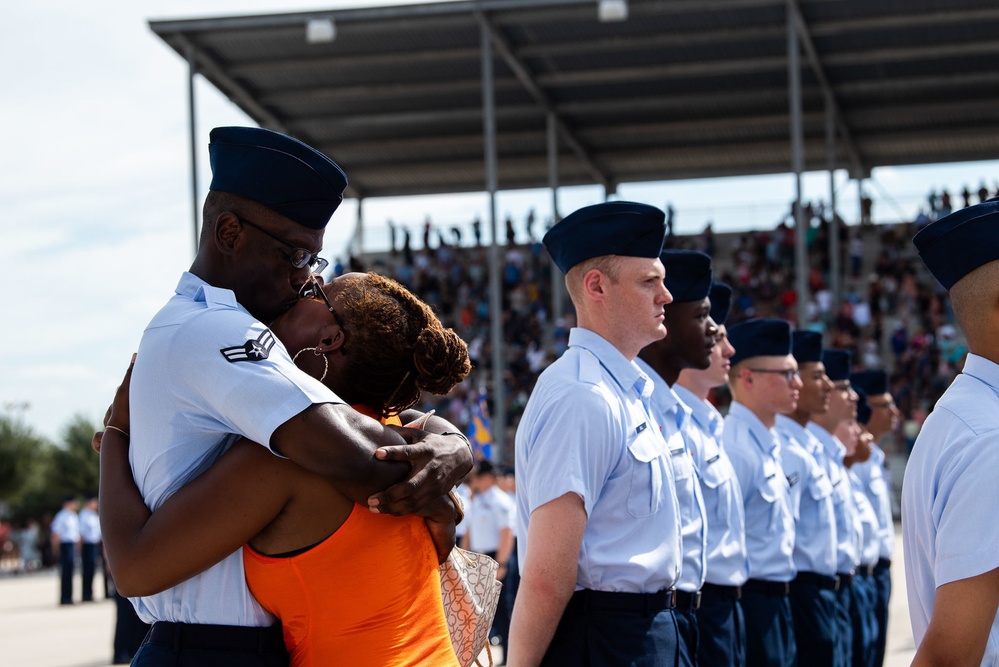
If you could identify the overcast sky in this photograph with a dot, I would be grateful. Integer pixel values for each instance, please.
(95, 192)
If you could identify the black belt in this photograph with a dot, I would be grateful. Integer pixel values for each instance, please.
(883, 564)
(781, 588)
(687, 601)
(218, 637)
(845, 579)
(821, 580)
(728, 592)
(646, 603)
(866, 570)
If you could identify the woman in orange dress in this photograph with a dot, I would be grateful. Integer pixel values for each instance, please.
(350, 586)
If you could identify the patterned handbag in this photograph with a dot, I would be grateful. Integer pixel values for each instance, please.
(471, 592)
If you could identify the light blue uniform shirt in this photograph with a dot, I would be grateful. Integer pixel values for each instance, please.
(755, 453)
(874, 483)
(66, 525)
(676, 422)
(186, 398)
(867, 527)
(950, 495)
(588, 429)
(727, 563)
(831, 457)
(811, 499)
(90, 526)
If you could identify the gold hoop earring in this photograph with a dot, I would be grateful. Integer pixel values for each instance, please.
(315, 350)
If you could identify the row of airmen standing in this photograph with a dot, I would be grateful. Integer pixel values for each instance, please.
(655, 532)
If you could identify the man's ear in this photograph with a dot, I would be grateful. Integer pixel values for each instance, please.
(227, 232)
(594, 284)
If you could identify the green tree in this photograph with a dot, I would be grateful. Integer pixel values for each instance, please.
(21, 452)
(74, 468)
(69, 468)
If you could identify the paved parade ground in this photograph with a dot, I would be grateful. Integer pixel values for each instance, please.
(36, 632)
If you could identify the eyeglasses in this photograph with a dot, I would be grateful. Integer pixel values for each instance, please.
(888, 405)
(789, 374)
(300, 257)
(313, 289)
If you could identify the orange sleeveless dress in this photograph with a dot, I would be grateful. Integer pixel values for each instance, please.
(369, 595)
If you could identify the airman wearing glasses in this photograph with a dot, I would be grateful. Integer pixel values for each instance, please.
(208, 368)
(764, 380)
(813, 591)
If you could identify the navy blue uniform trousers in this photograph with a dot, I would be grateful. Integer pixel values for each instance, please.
(844, 617)
(687, 632)
(591, 636)
(722, 629)
(865, 624)
(882, 580)
(769, 630)
(212, 646)
(88, 561)
(816, 628)
(67, 562)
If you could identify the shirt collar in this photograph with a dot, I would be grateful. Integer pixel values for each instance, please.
(982, 369)
(763, 436)
(800, 434)
(197, 289)
(703, 413)
(626, 373)
(830, 443)
(664, 398)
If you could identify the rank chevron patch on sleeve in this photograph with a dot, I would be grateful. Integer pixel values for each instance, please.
(251, 350)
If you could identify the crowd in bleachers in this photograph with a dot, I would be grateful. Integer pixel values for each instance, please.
(455, 281)
(892, 313)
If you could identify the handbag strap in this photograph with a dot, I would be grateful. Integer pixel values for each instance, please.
(459, 508)
(489, 654)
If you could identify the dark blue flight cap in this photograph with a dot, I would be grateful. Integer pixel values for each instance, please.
(863, 407)
(721, 302)
(837, 363)
(873, 381)
(957, 244)
(284, 174)
(612, 228)
(806, 346)
(761, 337)
(688, 274)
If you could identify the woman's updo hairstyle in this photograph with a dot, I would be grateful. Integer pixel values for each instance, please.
(396, 347)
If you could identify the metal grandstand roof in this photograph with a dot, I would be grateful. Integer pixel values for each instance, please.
(681, 89)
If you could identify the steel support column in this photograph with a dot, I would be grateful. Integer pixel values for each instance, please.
(358, 243)
(835, 270)
(495, 300)
(557, 280)
(192, 69)
(797, 166)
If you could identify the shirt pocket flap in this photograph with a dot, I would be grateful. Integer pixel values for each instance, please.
(645, 446)
(773, 479)
(717, 471)
(820, 487)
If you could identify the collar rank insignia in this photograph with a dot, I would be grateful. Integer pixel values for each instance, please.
(792, 479)
(251, 350)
